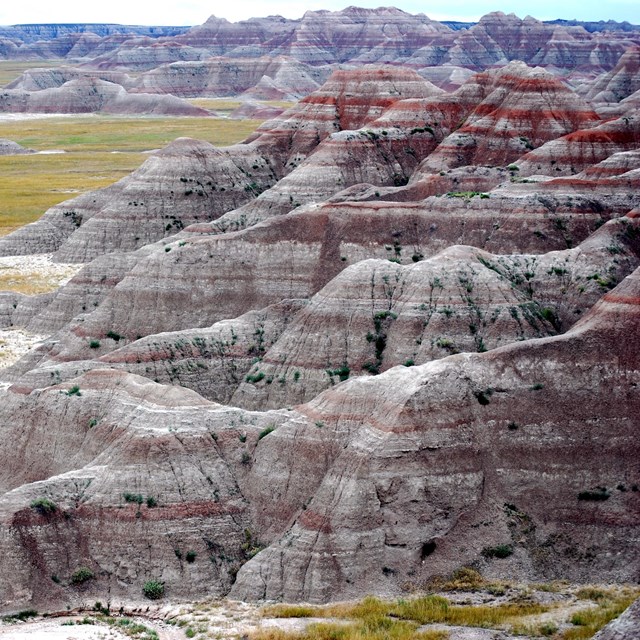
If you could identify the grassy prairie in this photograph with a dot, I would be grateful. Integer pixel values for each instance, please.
(30, 184)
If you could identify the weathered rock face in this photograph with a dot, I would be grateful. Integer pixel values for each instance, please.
(362, 493)
(201, 183)
(526, 437)
(99, 449)
(52, 77)
(289, 79)
(580, 150)
(450, 411)
(383, 35)
(626, 626)
(521, 108)
(620, 82)
(90, 95)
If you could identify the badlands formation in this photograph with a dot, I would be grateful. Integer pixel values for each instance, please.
(274, 58)
(393, 329)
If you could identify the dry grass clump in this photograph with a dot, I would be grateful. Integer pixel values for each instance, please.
(374, 619)
(432, 608)
(378, 628)
(30, 284)
(291, 611)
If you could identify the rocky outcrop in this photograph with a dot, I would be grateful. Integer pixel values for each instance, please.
(285, 78)
(202, 183)
(620, 82)
(11, 148)
(386, 35)
(477, 410)
(626, 626)
(580, 150)
(521, 108)
(90, 95)
(376, 481)
(53, 77)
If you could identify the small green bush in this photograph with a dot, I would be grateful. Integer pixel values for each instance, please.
(43, 506)
(94, 344)
(151, 502)
(190, 556)
(499, 551)
(74, 391)
(81, 574)
(598, 494)
(135, 498)
(153, 589)
(266, 431)
(21, 616)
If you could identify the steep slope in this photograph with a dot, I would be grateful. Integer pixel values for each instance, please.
(423, 459)
(391, 506)
(201, 183)
(579, 150)
(376, 481)
(522, 109)
(620, 82)
(384, 35)
(228, 77)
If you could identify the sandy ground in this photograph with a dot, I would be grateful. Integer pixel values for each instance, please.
(26, 273)
(39, 265)
(14, 344)
(55, 630)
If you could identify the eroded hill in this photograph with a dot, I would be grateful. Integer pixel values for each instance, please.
(392, 329)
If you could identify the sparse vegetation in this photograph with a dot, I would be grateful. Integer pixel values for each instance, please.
(266, 431)
(44, 506)
(130, 628)
(499, 551)
(81, 575)
(135, 498)
(153, 589)
(190, 556)
(598, 494)
(21, 616)
(374, 618)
